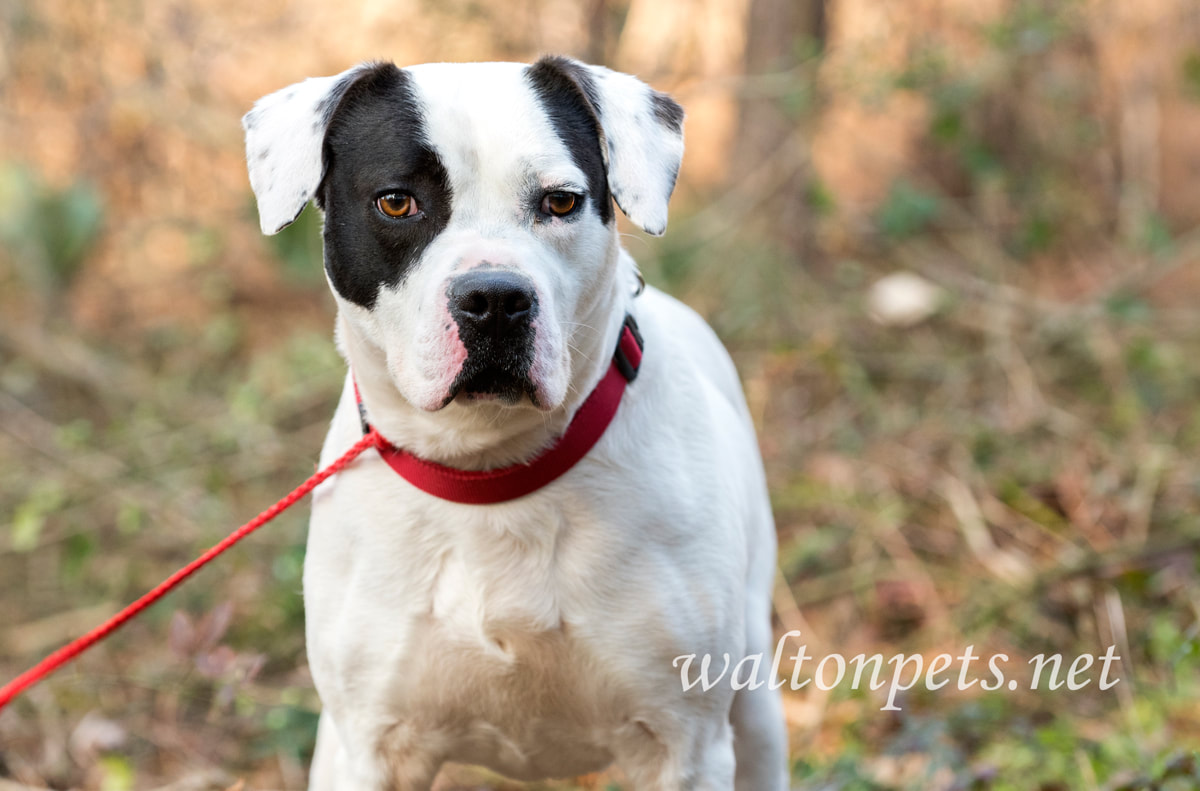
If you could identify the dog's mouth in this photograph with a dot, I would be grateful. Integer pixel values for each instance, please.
(492, 383)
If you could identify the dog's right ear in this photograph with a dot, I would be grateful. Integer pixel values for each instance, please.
(285, 133)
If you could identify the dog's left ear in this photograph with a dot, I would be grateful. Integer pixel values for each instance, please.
(641, 141)
(285, 132)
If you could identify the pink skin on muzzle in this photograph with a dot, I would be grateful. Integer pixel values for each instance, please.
(453, 354)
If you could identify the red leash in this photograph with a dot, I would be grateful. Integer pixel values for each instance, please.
(77, 647)
(461, 486)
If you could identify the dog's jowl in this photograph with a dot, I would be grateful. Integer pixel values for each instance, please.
(569, 495)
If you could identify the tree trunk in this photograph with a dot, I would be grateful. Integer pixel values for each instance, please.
(780, 33)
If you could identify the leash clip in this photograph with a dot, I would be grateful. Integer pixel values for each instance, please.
(362, 408)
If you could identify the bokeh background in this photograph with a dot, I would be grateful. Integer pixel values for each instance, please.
(953, 245)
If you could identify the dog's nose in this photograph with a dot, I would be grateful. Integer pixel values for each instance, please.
(491, 301)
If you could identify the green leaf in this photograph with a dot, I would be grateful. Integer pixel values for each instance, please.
(30, 516)
(117, 773)
(1191, 75)
(907, 211)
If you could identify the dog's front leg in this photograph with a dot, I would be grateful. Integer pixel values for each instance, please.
(698, 761)
(378, 759)
(759, 729)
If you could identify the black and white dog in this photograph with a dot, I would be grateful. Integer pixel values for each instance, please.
(566, 522)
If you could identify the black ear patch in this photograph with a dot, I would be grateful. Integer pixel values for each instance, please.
(641, 129)
(667, 111)
(569, 97)
(376, 143)
(327, 106)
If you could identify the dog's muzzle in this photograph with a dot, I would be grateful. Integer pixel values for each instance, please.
(494, 310)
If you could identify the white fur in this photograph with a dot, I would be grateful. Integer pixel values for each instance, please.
(283, 148)
(537, 636)
(643, 166)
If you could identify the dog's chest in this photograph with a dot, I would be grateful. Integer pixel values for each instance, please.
(519, 700)
(467, 618)
(497, 571)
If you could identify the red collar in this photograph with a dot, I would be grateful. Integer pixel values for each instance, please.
(483, 487)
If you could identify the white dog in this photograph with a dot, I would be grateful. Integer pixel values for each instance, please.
(510, 580)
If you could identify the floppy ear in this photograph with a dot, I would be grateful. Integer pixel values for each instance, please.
(285, 133)
(641, 140)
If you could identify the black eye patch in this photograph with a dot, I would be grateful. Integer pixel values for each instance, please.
(376, 142)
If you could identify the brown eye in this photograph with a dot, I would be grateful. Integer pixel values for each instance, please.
(397, 204)
(559, 204)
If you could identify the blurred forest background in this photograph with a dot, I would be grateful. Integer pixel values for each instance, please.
(953, 245)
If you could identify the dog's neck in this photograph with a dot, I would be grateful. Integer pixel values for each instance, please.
(487, 435)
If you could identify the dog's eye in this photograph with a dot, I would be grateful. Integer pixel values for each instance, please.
(559, 204)
(397, 204)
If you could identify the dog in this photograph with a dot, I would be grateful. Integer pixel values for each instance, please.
(466, 600)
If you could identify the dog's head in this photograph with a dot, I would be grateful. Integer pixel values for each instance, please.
(469, 229)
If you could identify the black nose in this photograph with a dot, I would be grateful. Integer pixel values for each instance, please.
(491, 302)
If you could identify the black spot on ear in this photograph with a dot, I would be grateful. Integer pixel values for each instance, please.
(569, 97)
(667, 111)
